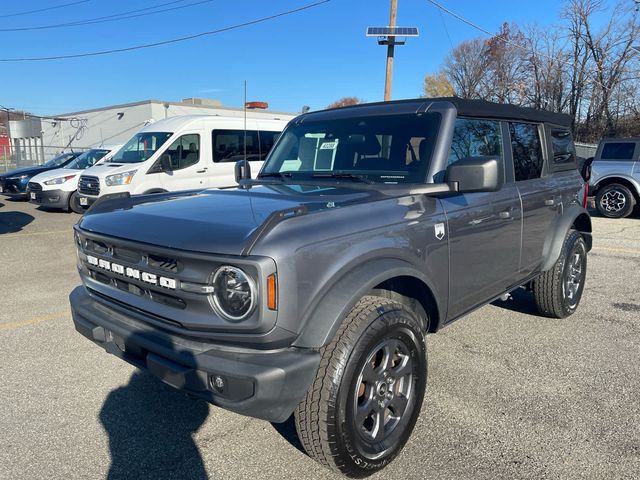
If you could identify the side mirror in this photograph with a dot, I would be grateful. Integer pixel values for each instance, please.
(476, 174)
(165, 163)
(242, 170)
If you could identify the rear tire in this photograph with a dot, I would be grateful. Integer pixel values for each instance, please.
(366, 397)
(74, 203)
(615, 201)
(558, 291)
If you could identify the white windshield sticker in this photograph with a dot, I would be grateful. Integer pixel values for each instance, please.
(329, 145)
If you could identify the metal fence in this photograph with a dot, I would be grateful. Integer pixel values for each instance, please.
(17, 157)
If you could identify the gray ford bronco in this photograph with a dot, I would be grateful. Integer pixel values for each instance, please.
(309, 290)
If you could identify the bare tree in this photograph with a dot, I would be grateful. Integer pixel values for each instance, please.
(467, 69)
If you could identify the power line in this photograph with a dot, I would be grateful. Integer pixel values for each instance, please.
(109, 18)
(43, 9)
(167, 42)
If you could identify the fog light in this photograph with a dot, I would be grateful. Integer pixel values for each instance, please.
(218, 383)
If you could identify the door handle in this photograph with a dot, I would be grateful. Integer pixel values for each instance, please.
(505, 215)
(201, 171)
(551, 202)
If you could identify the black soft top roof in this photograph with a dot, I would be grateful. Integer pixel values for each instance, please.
(465, 107)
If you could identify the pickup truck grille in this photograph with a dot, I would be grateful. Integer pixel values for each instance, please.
(89, 185)
(34, 187)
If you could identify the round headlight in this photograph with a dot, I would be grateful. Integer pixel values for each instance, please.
(234, 293)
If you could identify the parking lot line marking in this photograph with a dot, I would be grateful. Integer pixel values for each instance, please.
(31, 234)
(618, 250)
(31, 321)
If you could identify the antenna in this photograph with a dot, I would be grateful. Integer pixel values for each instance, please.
(245, 120)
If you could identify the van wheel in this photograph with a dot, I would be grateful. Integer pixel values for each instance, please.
(74, 203)
(615, 201)
(366, 397)
(558, 291)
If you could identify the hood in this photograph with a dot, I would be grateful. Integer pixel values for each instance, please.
(25, 171)
(55, 173)
(104, 168)
(213, 221)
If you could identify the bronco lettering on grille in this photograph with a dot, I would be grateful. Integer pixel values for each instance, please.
(147, 277)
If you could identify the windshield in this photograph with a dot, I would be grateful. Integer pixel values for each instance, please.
(141, 147)
(87, 159)
(385, 149)
(60, 159)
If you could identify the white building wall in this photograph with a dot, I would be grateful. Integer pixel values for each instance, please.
(107, 126)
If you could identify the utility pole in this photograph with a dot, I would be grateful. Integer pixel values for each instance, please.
(393, 16)
(390, 36)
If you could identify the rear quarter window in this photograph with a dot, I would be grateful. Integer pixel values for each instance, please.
(618, 151)
(564, 150)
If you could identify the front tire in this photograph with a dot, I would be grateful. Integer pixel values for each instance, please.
(558, 291)
(74, 203)
(366, 397)
(615, 201)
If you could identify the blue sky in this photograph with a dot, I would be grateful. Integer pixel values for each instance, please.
(310, 58)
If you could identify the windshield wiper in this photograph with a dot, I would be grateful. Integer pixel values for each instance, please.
(351, 176)
(281, 175)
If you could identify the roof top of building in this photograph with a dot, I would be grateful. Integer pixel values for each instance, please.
(187, 103)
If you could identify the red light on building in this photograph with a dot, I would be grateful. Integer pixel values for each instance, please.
(256, 105)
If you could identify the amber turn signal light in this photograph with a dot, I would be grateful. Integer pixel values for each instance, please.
(272, 292)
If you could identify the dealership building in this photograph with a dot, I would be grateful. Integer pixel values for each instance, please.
(37, 139)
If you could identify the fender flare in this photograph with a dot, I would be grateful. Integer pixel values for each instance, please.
(320, 325)
(573, 215)
(615, 176)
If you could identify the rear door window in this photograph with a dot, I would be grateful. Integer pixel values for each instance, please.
(526, 146)
(618, 151)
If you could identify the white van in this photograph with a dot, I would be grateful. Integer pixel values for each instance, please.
(182, 153)
(58, 188)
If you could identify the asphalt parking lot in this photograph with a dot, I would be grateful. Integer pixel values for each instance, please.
(510, 395)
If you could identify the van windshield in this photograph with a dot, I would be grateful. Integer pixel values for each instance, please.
(141, 147)
(381, 149)
(60, 160)
(87, 159)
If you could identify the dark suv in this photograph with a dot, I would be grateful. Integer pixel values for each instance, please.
(309, 290)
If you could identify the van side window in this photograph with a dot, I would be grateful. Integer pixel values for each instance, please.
(228, 145)
(474, 138)
(184, 151)
(527, 150)
(564, 151)
(267, 139)
(618, 151)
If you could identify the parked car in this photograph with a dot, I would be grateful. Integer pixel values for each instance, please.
(180, 153)
(14, 183)
(58, 188)
(615, 176)
(310, 289)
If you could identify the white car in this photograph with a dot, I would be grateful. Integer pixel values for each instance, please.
(183, 153)
(58, 188)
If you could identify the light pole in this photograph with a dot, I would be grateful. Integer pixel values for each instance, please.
(389, 36)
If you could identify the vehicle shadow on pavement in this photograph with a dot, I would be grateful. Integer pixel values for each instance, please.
(12, 222)
(287, 430)
(521, 301)
(150, 427)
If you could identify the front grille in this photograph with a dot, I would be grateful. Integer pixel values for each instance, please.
(89, 185)
(35, 187)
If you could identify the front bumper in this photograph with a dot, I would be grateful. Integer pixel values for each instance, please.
(85, 201)
(13, 188)
(50, 198)
(261, 384)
